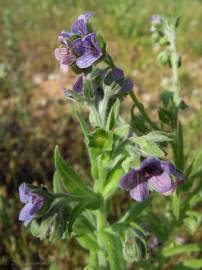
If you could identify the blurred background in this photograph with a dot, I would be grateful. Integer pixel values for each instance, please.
(34, 115)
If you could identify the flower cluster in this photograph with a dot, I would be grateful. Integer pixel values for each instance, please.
(155, 174)
(81, 46)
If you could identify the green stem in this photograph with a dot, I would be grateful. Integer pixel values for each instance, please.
(101, 223)
(143, 112)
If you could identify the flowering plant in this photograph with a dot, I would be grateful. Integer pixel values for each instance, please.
(123, 156)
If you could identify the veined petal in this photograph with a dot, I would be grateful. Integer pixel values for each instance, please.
(161, 183)
(87, 59)
(25, 193)
(79, 27)
(60, 53)
(140, 192)
(171, 190)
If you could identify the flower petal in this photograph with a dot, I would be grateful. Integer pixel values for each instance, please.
(151, 166)
(37, 205)
(168, 167)
(127, 181)
(64, 68)
(78, 85)
(25, 193)
(161, 183)
(79, 27)
(171, 190)
(79, 46)
(87, 59)
(25, 212)
(60, 53)
(140, 192)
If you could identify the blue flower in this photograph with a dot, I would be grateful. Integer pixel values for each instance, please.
(155, 174)
(88, 50)
(33, 203)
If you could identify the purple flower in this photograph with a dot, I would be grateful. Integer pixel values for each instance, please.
(77, 87)
(88, 50)
(118, 75)
(153, 173)
(65, 58)
(33, 203)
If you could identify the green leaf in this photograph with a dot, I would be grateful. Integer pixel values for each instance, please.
(111, 119)
(122, 130)
(175, 250)
(57, 183)
(193, 264)
(102, 42)
(159, 136)
(112, 181)
(71, 179)
(101, 140)
(88, 242)
(148, 148)
(114, 250)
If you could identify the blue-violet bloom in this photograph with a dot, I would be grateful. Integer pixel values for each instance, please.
(33, 203)
(88, 50)
(153, 173)
(118, 75)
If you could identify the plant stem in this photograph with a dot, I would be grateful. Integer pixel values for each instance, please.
(101, 223)
(142, 110)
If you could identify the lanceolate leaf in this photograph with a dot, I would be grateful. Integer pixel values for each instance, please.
(71, 179)
(188, 248)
